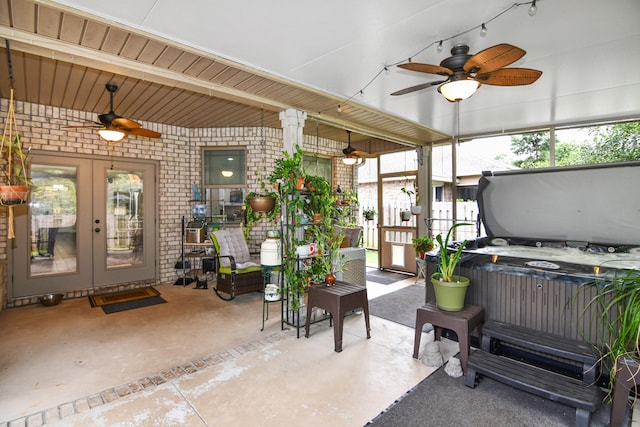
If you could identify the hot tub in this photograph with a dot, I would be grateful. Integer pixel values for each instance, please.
(552, 236)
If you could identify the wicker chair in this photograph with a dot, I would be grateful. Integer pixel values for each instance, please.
(236, 271)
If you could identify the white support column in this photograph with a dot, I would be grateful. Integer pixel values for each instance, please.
(292, 125)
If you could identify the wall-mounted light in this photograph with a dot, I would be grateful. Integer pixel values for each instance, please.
(227, 174)
(112, 134)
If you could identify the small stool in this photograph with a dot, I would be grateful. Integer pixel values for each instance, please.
(461, 322)
(422, 269)
(338, 300)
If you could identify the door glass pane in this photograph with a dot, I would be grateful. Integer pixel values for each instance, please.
(53, 209)
(124, 218)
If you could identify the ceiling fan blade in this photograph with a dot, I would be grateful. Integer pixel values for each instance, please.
(426, 68)
(145, 132)
(96, 126)
(509, 77)
(417, 87)
(125, 123)
(364, 154)
(493, 58)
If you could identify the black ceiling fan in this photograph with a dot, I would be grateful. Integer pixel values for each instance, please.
(114, 122)
(485, 67)
(352, 153)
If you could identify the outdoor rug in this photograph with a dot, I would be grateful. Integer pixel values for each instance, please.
(126, 300)
(385, 277)
(443, 401)
(399, 306)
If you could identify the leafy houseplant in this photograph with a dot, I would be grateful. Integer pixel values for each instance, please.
(415, 208)
(450, 289)
(422, 244)
(368, 214)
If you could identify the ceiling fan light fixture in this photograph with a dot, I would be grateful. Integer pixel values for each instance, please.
(111, 134)
(349, 160)
(457, 90)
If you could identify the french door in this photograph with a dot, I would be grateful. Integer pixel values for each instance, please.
(90, 223)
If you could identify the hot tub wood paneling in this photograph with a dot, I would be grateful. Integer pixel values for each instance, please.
(555, 306)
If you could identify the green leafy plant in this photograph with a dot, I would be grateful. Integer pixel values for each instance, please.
(15, 170)
(252, 216)
(617, 304)
(422, 244)
(447, 261)
(368, 214)
(411, 193)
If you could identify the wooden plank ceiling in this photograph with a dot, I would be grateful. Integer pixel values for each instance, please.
(63, 58)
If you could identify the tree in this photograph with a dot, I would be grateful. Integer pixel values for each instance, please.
(534, 147)
(614, 143)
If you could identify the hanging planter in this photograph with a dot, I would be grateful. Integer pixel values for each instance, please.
(14, 183)
(262, 204)
(11, 195)
(405, 215)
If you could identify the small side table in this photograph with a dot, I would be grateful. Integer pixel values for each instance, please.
(421, 263)
(338, 300)
(461, 322)
(627, 371)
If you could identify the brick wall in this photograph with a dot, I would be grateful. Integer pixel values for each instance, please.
(177, 155)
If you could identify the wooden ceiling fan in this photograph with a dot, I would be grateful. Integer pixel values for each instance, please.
(462, 69)
(115, 128)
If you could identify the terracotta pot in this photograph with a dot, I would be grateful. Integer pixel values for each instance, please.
(317, 218)
(330, 279)
(13, 194)
(262, 203)
(300, 183)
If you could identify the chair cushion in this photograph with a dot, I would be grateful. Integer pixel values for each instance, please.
(230, 241)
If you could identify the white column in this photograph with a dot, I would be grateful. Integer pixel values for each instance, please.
(292, 125)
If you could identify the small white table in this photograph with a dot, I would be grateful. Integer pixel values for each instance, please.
(421, 270)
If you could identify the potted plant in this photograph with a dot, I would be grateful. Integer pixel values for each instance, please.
(617, 301)
(422, 244)
(289, 171)
(319, 198)
(260, 204)
(450, 290)
(414, 207)
(368, 214)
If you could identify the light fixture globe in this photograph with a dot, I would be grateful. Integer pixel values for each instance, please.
(457, 90)
(349, 160)
(111, 134)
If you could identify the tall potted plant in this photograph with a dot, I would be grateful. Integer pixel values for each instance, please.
(617, 303)
(450, 289)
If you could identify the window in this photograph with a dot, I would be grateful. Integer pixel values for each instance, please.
(318, 166)
(224, 178)
(224, 167)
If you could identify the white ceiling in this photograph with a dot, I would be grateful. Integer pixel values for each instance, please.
(588, 51)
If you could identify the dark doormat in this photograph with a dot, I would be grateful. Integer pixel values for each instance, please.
(399, 306)
(124, 296)
(130, 305)
(442, 401)
(385, 277)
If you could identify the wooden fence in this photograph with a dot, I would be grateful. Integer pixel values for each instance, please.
(439, 222)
